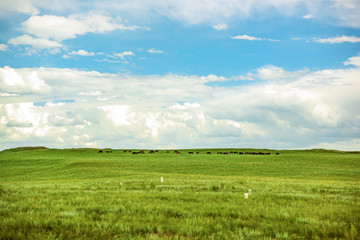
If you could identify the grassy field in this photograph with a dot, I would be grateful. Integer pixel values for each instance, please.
(82, 194)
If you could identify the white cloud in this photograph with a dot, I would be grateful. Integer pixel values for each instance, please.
(124, 54)
(220, 27)
(60, 28)
(37, 43)
(118, 114)
(18, 81)
(152, 50)
(22, 6)
(3, 47)
(251, 38)
(271, 72)
(353, 61)
(213, 78)
(342, 39)
(186, 105)
(246, 37)
(81, 53)
(308, 16)
(293, 109)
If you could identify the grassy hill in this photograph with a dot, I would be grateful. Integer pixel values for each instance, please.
(83, 194)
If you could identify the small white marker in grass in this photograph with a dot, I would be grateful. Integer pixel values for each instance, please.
(161, 179)
(246, 195)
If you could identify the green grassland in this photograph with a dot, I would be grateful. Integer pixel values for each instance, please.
(82, 194)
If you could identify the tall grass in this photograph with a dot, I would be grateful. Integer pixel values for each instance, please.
(80, 194)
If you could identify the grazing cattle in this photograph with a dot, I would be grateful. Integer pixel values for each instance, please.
(134, 153)
(197, 152)
(219, 152)
(100, 151)
(277, 153)
(152, 152)
(177, 152)
(225, 153)
(141, 151)
(125, 151)
(208, 153)
(241, 153)
(191, 152)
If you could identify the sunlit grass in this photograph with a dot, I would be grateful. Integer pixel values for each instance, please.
(81, 194)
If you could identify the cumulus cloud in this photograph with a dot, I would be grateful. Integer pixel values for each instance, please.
(19, 81)
(81, 53)
(124, 54)
(22, 6)
(37, 43)
(48, 31)
(341, 39)
(60, 28)
(353, 61)
(271, 72)
(291, 109)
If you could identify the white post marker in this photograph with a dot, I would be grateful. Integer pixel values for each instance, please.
(246, 195)
(161, 179)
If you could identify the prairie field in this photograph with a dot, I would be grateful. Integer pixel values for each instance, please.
(83, 194)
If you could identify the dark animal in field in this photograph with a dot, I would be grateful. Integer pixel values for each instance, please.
(100, 151)
(141, 151)
(177, 152)
(241, 153)
(225, 153)
(151, 151)
(197, 152)
(219, 152)
(208, 153)
(191, 152)
(125, 151)
(108, 151)
(277, 154)
(134, 153)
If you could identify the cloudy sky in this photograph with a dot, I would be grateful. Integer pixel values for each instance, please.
(280, 74)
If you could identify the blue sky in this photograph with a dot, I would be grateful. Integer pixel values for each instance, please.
(180, 74)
